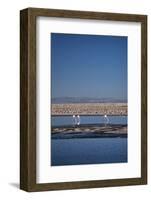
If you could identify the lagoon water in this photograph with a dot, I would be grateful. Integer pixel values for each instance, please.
(68, 120)
(88, 151)
(76, 151)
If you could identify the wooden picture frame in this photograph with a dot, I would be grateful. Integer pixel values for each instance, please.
(28, 98)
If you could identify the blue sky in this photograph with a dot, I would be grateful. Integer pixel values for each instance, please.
(91, 66)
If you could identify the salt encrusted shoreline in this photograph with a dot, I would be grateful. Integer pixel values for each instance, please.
(89, 109)
(93, 128)
(89, 131)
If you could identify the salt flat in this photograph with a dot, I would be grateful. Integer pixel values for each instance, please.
(89, 109)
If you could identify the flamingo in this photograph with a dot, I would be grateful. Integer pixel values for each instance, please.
(78, 120)
(74, 119)
(106, 118)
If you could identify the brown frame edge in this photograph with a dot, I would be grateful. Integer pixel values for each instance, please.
(28, 98)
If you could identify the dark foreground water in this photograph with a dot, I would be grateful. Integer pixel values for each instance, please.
(88, 151)
(85, 150)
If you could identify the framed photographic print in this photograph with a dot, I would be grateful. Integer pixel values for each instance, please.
(83, 99)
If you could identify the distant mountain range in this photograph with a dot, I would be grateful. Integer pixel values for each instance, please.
(62, 100)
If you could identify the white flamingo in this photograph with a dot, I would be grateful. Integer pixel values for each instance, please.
(78, 120)
(106, 118)
(74, 120)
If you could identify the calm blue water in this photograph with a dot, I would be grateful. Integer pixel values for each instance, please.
(76, 151)
(68, 120)
(88, 151)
